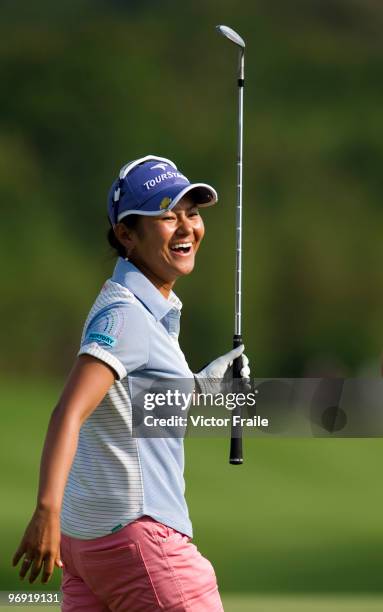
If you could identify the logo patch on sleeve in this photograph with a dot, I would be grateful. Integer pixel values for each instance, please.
(102, 338)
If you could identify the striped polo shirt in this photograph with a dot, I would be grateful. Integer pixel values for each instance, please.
(116, 478)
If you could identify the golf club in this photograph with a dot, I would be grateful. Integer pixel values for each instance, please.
(236, 456)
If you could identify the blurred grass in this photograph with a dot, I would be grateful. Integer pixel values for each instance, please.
(314, 603)
(298, 516)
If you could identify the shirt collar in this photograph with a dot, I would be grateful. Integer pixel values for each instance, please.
(127, 275)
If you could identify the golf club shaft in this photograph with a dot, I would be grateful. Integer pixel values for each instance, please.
(236, 456)
(238, 228)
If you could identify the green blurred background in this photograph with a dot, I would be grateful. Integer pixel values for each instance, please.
(90, 84)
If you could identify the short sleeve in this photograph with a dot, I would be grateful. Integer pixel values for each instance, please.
(118, 335)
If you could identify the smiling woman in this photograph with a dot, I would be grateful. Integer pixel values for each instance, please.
(164, 247)
(166, 230)
(111, 508)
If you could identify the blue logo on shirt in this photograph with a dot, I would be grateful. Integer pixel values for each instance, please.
(102, 338)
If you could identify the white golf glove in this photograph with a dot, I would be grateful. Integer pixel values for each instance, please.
(209, 379)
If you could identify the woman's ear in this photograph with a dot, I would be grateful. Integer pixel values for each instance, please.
(125, 236)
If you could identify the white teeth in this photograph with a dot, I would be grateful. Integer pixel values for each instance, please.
(183, 245)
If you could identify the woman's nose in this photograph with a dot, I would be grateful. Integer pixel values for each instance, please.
(184, 226)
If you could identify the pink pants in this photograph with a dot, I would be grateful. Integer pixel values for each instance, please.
(144, 567)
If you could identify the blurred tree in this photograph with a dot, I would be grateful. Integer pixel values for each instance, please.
(87, 85)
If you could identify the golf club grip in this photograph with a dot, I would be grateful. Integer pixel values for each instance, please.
(236, 456)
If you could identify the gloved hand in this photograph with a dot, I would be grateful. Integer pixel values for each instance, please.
(220, 371)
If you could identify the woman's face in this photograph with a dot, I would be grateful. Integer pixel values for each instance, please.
(164, 247)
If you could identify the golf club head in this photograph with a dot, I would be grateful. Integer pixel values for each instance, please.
(231, 35)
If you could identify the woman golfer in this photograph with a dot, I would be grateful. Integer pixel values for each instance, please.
(111, 509)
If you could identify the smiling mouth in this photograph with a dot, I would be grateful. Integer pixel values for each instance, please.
(184, 248)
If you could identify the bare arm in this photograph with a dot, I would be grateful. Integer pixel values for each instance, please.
(87, 385)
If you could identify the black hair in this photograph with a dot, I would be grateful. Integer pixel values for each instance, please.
(131, 222)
